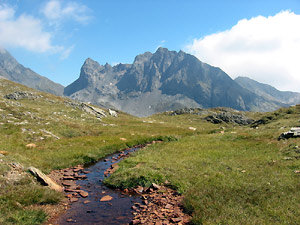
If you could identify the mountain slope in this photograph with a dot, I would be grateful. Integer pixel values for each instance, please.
(162, 81)
(269, 92)
(12, 70)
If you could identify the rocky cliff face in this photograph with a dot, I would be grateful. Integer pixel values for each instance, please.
(12, 70)
(269, 92)
(162, 81)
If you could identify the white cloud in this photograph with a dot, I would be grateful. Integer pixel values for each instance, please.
(66, 52)
(23, 31)
(266, 49)
(26, 32)
(55, 12)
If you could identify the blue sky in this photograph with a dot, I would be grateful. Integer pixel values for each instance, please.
(65, 33)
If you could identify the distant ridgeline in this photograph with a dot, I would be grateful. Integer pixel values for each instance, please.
(156, 82)
(12, 70)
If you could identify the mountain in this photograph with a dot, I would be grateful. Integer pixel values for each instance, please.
(269, 92)
(12, 70)
(162, 81)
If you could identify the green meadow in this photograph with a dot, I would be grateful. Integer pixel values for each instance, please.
(227, 173)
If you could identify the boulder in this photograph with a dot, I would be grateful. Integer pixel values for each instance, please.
(99, 113)
(31, 145)
(44, 180)
(294, 132)
(112, 113)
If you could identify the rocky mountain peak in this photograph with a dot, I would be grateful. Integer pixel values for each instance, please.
(139, 59)
(90, 63)
(162, 81)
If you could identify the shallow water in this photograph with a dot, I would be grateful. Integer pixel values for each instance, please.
(116, 211)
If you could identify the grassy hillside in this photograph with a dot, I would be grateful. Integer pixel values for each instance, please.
(232, 175)
(64, 135)
(228, 173)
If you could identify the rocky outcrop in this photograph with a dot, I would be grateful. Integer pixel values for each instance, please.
(18, 95)
(162, 81)
(93, 110)
(229, 117)
(294, 132)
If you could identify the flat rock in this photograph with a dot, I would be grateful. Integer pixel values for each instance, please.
(83, 194)
(68, 178)
(73, 199)
(67, 183)
(106, 198)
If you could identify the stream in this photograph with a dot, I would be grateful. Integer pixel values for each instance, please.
(116, 211)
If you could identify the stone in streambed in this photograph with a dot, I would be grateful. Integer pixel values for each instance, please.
(106, 198)
(73, 199)
(83, 194)
(67, 183)
(68, 178)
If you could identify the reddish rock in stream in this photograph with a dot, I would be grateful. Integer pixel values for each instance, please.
(106, 198)
(161, 205)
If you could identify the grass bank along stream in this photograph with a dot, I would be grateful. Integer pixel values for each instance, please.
(238, 176)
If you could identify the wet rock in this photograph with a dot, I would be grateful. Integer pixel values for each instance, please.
(73, 199)
(68, 178)
(161, 206)
(176, 220)
(45, 180)
(134, 222)
(68, 173)
(70, 190)
(83, 194)
(80, 177)
(67, 183)
(106, 198)
(71, 220)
